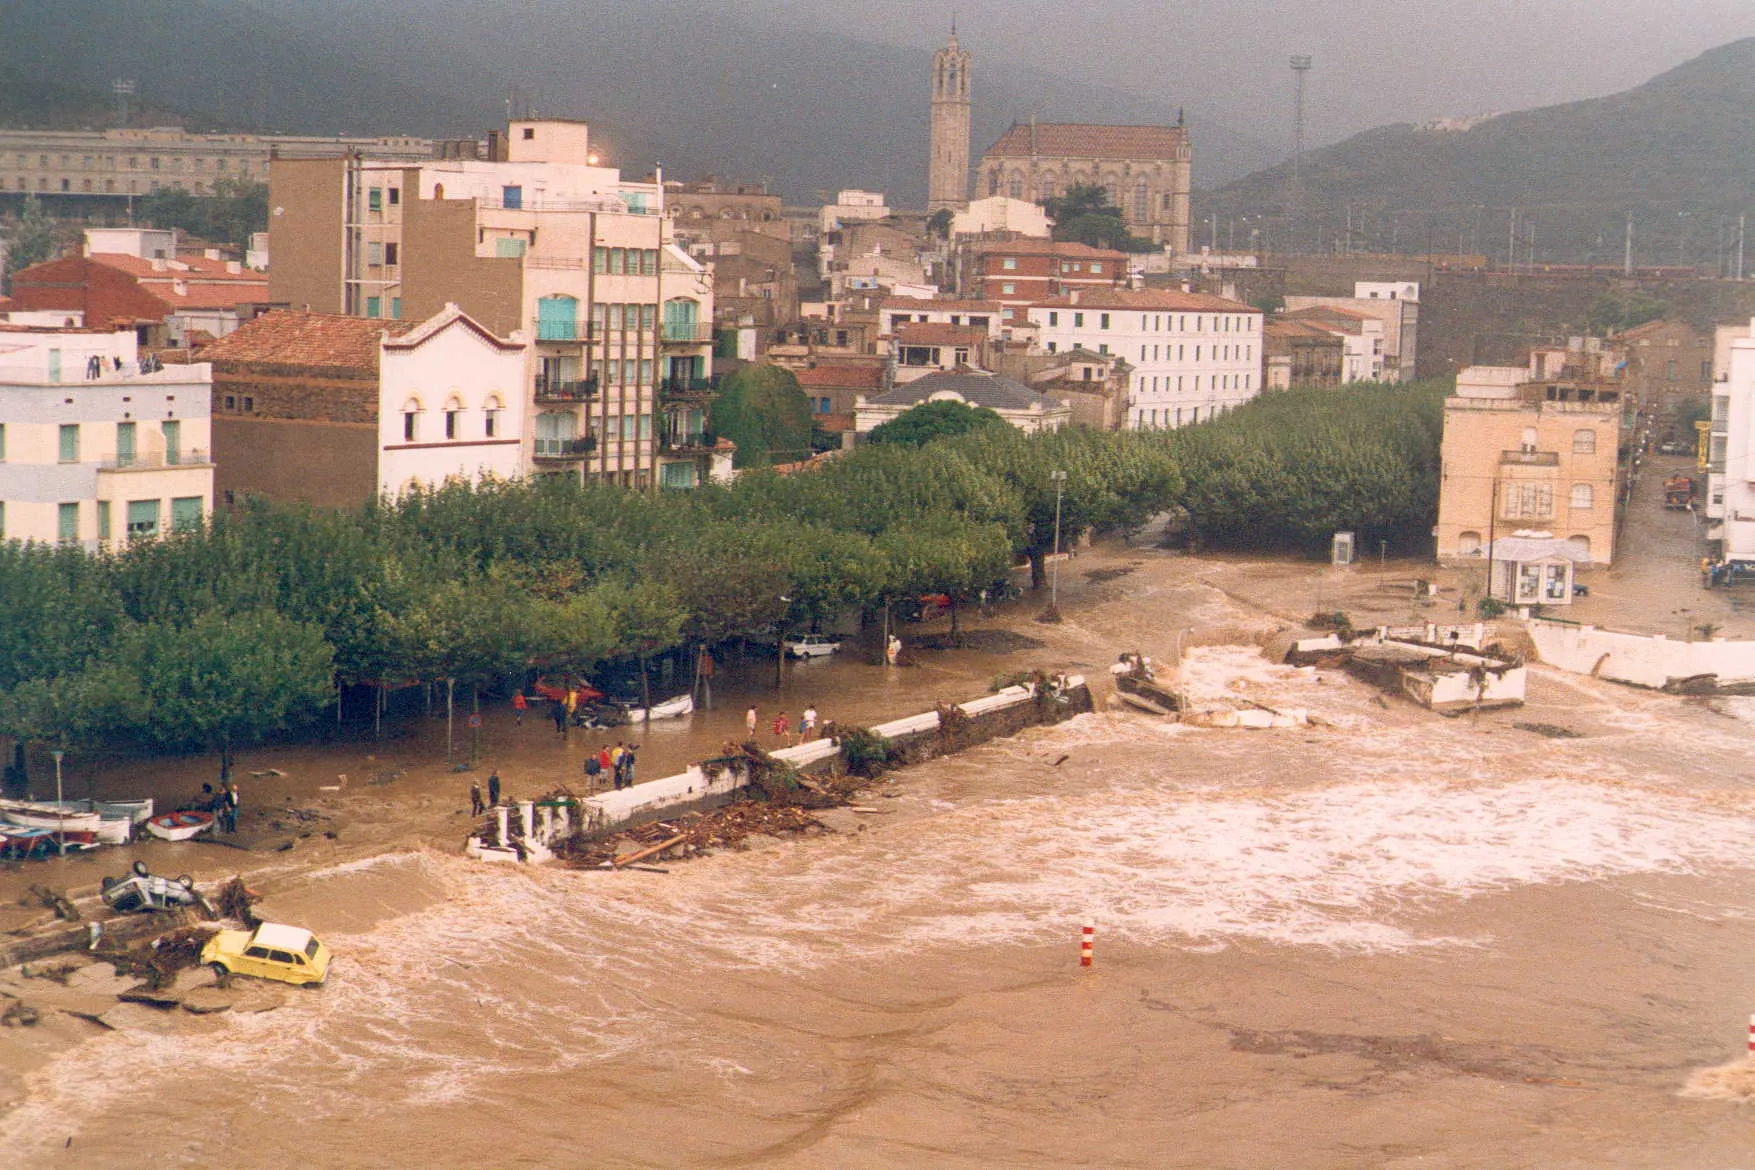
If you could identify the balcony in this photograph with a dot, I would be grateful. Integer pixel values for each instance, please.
(1530, 458)
(552, 390)
(688, 332)
(568, 331)
(156, 461)
(565, 449)
(689, 442)
(688, 387)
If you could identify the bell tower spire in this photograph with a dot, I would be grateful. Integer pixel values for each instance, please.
(947, 176)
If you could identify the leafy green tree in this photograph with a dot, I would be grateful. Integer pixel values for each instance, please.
(224, 680)
(1085, 215)
(939, 223)
(31, 239)
(235, 210)
(763, 410)
(919, 425)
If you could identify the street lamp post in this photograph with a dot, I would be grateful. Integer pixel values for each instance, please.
(59, 810)
(1059, 478)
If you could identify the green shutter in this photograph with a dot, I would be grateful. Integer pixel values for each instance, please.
(70, 442)
(67, 522)
(185, 513)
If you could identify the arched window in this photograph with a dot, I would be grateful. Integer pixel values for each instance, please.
(491, 416)
(1584, 442)
(1582, 495)
(1015, 185)
(411, 411)
(1468, 544)
(1142, 200)
(453, 414)
(1045, 188)
(993, 183)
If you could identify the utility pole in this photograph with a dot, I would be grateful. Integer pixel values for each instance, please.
(1059, 478)
(1627, 250)
(1300, 68)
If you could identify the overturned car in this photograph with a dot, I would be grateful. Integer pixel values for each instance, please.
(143, 890)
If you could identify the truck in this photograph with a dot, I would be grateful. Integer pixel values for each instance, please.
(1679, 492)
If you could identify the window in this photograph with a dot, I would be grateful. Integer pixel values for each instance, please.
(375, 254)
(529, 133)
(185, 513)
(1096, 267)
(374, 306)
(142, 518)
(103, 520)
(1078, 320)
(618, 261)
(1582, 495)
(451, 423)
(125, 448)
(375, 199)
(510, 247)
(600, 259)
(394, 193)
(1054, 318)
(173, 435)
(1009, 263)
(391, 253)
(396, 308)
(512, 198)
(410, 423)
(2, 442)
(1008, 288)
(1103, 320)
(67, 522)
(1584, 442)
(649, 262)
(1528, 501)
(69, 442)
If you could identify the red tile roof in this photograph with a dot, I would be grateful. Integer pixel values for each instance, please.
(1087, 140)
(291, 338)
(1164, 299)
(838, 377)
(936, 333)
(1036, 247)
(941, 305)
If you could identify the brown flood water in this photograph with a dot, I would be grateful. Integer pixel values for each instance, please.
(1390, 940)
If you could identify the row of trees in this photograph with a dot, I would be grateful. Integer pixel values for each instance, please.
(217, 637)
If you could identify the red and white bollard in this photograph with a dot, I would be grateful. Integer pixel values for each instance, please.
(1090, 932)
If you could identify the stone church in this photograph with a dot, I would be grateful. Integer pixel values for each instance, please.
(1145, 169)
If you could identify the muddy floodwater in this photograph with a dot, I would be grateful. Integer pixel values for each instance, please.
(1388, 939)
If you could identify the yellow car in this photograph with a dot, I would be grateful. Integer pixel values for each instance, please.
(290, 954)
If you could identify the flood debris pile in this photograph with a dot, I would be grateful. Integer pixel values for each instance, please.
(690, 835)
(1448, 669)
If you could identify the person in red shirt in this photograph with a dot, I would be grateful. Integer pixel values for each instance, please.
(518, 706)
(782, 726)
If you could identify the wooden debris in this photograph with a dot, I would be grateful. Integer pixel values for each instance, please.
(643, 854)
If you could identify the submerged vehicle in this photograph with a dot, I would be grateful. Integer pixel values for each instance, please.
(811, 645)
(290, 954)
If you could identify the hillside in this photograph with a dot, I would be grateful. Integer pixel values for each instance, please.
(702, 88)
(1677, 152)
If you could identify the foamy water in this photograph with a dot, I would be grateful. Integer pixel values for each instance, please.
(1170, 839)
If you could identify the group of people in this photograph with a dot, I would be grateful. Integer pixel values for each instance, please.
(223, 805)
(617, 763)
(781, 727)
(476, 805)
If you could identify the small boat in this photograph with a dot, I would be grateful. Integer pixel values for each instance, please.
(117, 817)
(46, 814)
(18, 841)
(669, 709)
(179, 826)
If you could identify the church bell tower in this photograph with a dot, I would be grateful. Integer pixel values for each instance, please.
(947, 175)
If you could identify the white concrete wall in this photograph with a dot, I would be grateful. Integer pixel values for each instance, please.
(1646, 661)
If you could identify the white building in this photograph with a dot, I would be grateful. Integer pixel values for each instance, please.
(450, 404)
(852, 206)
(1194, 356)
(1731, 466)
(1002, 213)
(94, 450)
(1395, 303)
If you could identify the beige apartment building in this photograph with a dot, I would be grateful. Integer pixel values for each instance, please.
(91, 164)
(1522, 454)
(535, 238)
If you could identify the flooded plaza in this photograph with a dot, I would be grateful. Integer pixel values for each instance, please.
(1388, 939)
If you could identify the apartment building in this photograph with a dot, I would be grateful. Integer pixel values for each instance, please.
(1393, 303)
(1668, 364)
(1194, 356)
(1529, 450)
(90, 165)
(97, 445)
(1018, 273)
(1364, 353)
(1300, 355)
(537, 236)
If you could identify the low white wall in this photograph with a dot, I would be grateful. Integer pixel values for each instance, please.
(650, 798)
(1646, 660)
